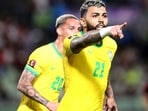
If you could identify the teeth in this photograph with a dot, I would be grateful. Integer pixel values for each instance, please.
(99, 27)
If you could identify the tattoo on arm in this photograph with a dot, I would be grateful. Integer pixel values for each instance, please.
(25, 86)
(87, 39)
(31, 92)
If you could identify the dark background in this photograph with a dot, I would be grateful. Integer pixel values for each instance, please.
(28, 24)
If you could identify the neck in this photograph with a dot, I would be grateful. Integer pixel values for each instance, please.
(84, 29)
(59, 44)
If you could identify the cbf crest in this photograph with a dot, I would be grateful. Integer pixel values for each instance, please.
(110, 55)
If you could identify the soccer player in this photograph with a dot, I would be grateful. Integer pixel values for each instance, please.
(87, 60)
(43, 76)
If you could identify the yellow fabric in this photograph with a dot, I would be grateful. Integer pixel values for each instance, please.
(48, 70)
(86, 75)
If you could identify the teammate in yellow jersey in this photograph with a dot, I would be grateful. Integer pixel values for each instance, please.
(43, 76)
(87, 60)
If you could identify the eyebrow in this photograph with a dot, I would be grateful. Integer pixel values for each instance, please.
(97, 13)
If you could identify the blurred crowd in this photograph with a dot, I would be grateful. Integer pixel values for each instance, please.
(28, 24)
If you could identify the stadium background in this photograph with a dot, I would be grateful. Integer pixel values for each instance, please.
(28, 24)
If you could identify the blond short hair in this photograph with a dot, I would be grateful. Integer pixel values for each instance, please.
(61, 19)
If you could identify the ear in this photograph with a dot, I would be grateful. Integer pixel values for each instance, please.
(83, 22)
(59, 31)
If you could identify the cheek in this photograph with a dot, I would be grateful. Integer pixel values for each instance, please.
(76, 31)
(105, 22)
(67, 33)
(92, 22)
(70, 32)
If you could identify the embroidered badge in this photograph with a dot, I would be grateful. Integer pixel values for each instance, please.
(110, 54)
(32, 63)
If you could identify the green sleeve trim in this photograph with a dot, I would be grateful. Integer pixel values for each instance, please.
(30, 69)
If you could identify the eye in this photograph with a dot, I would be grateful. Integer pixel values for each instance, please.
(94, 16)
(79, 28)
(105, 16)
(72, 28)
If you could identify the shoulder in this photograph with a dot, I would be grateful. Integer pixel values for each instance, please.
(43, 48)
(40, 51)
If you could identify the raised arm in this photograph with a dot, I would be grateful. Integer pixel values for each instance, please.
(95, 36)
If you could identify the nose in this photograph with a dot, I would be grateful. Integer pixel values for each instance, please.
(100, 18)
(76, 31)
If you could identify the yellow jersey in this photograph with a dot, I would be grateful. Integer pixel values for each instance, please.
(46, 64)
(86, 75)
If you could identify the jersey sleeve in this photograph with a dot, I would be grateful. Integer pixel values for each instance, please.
(35, 63)
(67, 43)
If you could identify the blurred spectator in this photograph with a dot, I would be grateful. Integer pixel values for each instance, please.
(145, 96)
(27, 24)
(127, 74)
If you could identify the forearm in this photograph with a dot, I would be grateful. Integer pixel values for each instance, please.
(109, 90)
(33, 94)
(87, 39)
(95, 36)
(26, 87)
(110, 100)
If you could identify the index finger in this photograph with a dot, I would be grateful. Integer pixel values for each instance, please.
(123, 25)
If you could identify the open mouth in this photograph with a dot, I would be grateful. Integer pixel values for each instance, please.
(99, 26)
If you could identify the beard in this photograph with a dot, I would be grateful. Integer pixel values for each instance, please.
(90, 27)
(98, 26)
